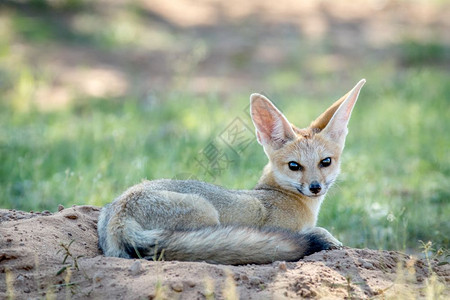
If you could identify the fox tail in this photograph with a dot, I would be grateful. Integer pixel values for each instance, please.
(231, 245)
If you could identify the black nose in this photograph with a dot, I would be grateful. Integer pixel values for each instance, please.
(315, 187)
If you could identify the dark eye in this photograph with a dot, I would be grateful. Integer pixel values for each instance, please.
(293, 166)
(326, 162)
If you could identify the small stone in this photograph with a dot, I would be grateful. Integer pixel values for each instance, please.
(255, 280)
(136, 268)
(207, 294)
(60, 207)
(244, 277)
(282, 266)
(177, 286)
(97, 277)
(71, 216)
(191, 283)
(306, 293)
(97, 280)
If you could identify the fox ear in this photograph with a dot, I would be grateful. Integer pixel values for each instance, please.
(272, 127)
(322, 120)
(333, 122)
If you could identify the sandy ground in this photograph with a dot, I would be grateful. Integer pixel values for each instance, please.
(33, 247)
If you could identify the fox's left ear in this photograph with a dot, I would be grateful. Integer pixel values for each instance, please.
(333, 122)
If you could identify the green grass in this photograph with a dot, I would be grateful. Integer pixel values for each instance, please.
(393, 191)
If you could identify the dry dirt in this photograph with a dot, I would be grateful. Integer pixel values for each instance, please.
(32, 266)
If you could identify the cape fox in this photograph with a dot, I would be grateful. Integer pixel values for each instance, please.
(196, 221)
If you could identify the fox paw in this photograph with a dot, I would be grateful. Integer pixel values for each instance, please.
(320, 239)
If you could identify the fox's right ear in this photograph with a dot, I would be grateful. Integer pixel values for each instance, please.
(272, 127)
(333, 122)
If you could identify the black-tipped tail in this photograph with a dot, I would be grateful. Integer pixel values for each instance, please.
(228, 245)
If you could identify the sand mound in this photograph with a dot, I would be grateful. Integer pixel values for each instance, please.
(33, 248)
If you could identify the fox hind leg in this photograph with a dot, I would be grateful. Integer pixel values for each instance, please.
(172, 210)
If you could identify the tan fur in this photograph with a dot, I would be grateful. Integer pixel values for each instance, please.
(196, 221)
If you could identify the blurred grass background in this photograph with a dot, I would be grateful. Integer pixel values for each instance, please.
(97, 95)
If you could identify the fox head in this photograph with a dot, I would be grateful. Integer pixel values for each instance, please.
(304, 161)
